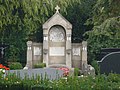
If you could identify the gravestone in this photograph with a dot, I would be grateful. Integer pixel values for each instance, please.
(105, 51)
(110, 63)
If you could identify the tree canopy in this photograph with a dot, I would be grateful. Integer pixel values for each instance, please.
(106, 30)
(21, 20)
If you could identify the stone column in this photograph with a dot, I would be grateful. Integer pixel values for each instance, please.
(68, 51)
(29, 54)
(45, 49)
(84, 55)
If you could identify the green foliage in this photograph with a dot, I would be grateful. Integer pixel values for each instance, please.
(105, 9)
(40, 65)
(100, 82)
(76, 71)
(15, 66)
(95, 64)
(77, 14)
(106, 30)
(107, 35)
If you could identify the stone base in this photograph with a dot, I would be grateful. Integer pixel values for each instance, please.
(88, 71)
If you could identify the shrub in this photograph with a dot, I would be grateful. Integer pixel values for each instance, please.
(15, 65)
(76, 71)
(40, 65)
(96, 66)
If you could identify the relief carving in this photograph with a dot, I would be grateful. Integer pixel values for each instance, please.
(57, 34)
(37, 51)
(76, 51)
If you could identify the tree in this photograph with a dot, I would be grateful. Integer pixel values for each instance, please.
(106, 30)
(77, 14)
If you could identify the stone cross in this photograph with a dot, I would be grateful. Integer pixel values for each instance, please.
(57, 9)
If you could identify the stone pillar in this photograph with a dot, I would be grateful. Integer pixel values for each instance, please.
(45, 49)
(29, 54)
(68, 51)
(84, 55)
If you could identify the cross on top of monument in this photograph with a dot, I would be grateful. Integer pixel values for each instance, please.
(57, 9)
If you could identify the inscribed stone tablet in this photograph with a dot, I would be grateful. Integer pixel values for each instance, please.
(57, 51)
(76, 51)
(37, 51)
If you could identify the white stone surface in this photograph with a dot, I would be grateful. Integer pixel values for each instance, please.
(57, 51)
(37, 51)
(76, 51)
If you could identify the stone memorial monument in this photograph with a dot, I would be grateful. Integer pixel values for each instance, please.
(57, 49)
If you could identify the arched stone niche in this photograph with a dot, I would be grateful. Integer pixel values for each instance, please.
(57, 34)
(57, 45)
(57, 41)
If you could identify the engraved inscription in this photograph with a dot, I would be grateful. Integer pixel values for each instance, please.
(57, 51)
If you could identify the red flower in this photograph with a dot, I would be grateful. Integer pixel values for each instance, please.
(65, 71)
(4, 67)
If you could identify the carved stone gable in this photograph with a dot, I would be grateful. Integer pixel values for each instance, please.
(57, 19)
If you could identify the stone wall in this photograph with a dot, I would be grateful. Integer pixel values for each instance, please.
(36, 51)
(76, 55)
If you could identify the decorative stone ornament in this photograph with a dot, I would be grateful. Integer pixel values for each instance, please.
(57, 9)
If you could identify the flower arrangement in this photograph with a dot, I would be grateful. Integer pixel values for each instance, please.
(65, 71)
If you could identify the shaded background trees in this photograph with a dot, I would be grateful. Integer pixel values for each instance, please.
(21, 20)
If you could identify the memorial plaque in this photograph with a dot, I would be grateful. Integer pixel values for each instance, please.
(57, 51)
(37, 51)
(76, 51)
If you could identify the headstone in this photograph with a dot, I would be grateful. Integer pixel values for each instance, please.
(110, 63)
(105, 51)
